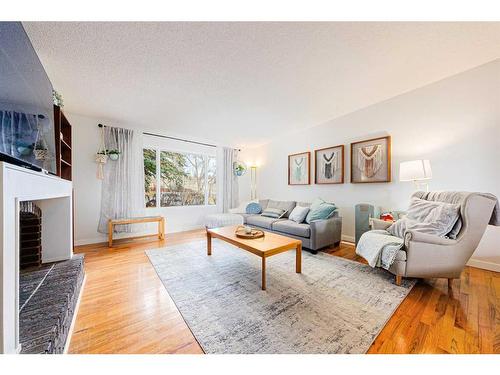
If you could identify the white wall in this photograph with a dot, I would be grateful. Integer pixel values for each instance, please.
(454, 122)
(88, 187)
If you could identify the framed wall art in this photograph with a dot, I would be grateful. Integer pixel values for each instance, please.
(371, 160)
(299, 169)
(329, 165)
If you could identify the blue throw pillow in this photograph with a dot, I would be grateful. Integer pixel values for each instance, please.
(320, 210)
(253, 208)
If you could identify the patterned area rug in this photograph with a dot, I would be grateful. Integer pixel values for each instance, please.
(334, 306)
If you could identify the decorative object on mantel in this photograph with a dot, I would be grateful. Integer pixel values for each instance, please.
(329, 165)
(41, 149)
(239, 168)
(416, 171)
(299, 169)
(371, 160)
(101, 156)
(244, 231)
(57, 99)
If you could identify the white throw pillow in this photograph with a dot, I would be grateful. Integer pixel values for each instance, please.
(299, 214)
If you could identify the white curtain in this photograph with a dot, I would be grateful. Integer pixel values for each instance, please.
(230, 190)
(122, 191)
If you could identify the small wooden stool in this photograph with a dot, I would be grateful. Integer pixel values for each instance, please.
(137, 220)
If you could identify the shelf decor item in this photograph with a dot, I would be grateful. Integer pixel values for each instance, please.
(299, 169)
(41, 149)
(371, 160)
(329, 165)
(57, 99)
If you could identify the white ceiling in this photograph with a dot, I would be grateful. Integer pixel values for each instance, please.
(242, 84)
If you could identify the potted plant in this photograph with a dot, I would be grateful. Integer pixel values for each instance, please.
(113, 154)
(239, 168)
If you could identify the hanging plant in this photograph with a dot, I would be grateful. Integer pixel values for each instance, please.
(239, 168)
(112, 154)
(57, 99)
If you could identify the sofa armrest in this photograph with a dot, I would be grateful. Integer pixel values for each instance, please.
(325, 232)
(380, 224)
(414, 236)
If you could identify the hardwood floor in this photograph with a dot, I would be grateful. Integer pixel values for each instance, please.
(126, 309)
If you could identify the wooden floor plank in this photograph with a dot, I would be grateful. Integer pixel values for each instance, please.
(126, 309)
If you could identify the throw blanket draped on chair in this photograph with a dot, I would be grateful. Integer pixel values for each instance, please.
(379, 248)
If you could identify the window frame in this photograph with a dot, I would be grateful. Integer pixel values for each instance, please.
(206, 157)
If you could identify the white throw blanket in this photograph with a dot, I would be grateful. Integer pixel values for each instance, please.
(379, 248)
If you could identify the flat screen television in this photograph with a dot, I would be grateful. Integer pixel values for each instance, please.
(26, 105)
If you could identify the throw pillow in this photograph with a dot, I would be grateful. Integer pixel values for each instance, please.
(276, 213)
(253, 208)
(320, 210)
(299, 214)
(283, 205)
(436, 218)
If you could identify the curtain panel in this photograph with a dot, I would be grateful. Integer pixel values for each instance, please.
(122, 191)
(230, 189)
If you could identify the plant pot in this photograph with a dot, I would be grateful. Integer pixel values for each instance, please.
(114, 157)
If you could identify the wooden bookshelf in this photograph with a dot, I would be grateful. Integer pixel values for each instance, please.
(63, 144)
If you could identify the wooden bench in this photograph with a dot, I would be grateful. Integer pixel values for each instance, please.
(137, 220)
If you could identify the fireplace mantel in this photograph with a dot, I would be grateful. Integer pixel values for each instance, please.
(54, 196)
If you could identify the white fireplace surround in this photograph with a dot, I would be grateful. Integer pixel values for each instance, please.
(54, 196)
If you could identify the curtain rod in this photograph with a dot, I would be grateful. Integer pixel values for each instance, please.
(176, 139)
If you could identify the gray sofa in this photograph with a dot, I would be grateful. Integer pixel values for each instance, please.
(314, 236)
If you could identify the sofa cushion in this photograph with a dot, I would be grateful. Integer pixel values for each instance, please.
(277, 213)
(291, 227)
(261, 221)
(320, 210)
(284, 205)
(253, 208)
(263, 203)
(299, 214)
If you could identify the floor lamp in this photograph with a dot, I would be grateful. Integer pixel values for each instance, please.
(253, 184)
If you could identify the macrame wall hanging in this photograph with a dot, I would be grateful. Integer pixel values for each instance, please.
(330, 165)
(298, 165)
(370, 159)
(101, 157)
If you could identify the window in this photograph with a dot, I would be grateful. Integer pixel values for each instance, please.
(179, 179)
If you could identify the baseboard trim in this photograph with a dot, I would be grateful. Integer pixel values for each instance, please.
(73, 320)
(348, 238)
(483, 264)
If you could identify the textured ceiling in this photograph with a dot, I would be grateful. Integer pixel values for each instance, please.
(242, 84)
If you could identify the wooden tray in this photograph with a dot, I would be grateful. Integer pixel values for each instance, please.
(256, 233)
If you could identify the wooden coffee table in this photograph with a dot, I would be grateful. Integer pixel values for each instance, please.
(269, 245)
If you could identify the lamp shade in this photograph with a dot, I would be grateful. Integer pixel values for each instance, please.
(415, 170)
